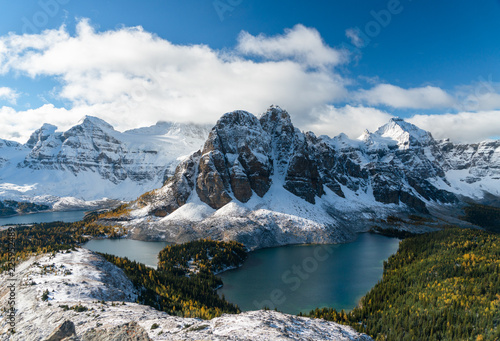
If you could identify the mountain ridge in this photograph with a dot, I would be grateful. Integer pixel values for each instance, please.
(91, 161)
(263, 182)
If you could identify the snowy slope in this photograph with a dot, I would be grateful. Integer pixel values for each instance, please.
(82, 277)
(93, 161)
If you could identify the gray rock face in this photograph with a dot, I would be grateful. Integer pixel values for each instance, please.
(236, 159)
(94, 146)
(65, 330)
(243, 155)
(41, 135)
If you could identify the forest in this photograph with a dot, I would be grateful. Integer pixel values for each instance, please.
(202, 256)
(175, 289)
(439, 286)
(53, 237)
(487, 217)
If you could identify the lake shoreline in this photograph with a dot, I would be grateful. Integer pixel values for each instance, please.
(340, 280)
(46, 216)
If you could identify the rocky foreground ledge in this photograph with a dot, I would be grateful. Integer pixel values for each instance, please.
(101, 306)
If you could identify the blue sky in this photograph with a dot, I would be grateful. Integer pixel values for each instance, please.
(336, 67)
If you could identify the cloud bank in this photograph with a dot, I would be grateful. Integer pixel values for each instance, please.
(131, 77)
(467, 127)
(415, 98)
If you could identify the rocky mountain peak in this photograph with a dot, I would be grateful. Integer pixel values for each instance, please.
(94, 122)
(235, 160)
(236, 118)
(263, 182)
(366, 136)
(404, 134)
(41, 134)
(276, 121)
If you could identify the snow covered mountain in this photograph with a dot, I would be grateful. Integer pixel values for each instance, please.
(263, 182)
(92, 161)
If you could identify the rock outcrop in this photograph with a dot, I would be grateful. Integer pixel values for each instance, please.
(64, 331)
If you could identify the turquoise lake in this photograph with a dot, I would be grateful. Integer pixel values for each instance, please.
(140, 251)
(300, 278)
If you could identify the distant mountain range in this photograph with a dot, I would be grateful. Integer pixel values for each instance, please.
(257, 180)
(92, 161)
(263, 182)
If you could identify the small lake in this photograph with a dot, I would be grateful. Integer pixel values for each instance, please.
(140, 251)
(300, 278)
(44, 217)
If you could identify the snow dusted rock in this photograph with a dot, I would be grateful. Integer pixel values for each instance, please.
(271, 325)
(235, 159)
(257, 181)
(92, 160)
(85, 279)
(131, 331)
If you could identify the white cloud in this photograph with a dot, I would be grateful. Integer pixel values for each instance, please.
(131, 77)
(466, 127)
(8, 94)
(301, 44)
(480, 102)
(18, 125)
(428, 97)
(354, 37)
(350, 120)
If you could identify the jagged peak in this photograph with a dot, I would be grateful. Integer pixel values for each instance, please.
(169, 128)
(405, 134)
(276, 120)
(275, 112)
(88, 120)
(365, 136)
(398, 123)
(342, 141)
(237, 117)
(48, 127)
(41, 134)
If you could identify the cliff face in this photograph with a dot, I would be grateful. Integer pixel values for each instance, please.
(258, 180)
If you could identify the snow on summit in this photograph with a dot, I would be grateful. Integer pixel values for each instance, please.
(397, 132)
(405, 134)
(248, 155)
